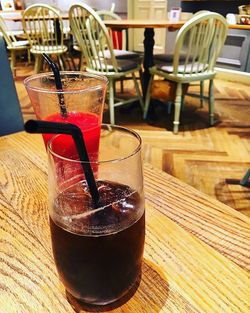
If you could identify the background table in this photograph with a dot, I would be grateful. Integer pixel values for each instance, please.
(197, 256)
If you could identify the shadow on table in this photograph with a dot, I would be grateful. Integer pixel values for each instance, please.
(148, 294)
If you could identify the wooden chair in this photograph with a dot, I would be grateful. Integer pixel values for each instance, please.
(94, 40)
(78, 49)
(13, 45)
(119, 40)
(11, 116)
(44, 28)
(203, 37)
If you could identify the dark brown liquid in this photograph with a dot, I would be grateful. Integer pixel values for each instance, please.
(100, 269)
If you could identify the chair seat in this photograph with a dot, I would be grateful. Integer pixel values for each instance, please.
(122, 54)
(168, 58)
(188, 68)
(126, 65)
(48, 49)
(18, 44)
(122, 65)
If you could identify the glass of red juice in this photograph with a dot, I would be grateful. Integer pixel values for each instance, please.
(98, 251)
(82, 96)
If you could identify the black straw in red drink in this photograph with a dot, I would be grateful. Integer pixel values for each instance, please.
(58, 83)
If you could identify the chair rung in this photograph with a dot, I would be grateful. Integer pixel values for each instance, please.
(126, 101)
(196, 95)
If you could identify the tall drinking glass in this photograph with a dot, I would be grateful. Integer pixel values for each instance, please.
(80, 102)
(98, 252)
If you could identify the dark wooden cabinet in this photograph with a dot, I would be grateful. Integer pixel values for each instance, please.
(222, 6)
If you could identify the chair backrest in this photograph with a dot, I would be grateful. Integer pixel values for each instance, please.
(11, 119)
(44, 27)
(93, 38)
(118, 37)
(201, 11)
(5, 31)
(202, 38)
(112, 8)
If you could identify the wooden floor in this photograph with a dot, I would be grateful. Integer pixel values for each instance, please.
(211, 159)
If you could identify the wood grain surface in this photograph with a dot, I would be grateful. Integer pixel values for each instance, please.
(134, 23)
(196, 255)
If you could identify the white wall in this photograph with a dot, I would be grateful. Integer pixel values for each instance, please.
(120, 5)
(64, 5)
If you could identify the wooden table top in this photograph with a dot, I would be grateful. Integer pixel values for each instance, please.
(134, 23)
(197, 253)
(16, 16)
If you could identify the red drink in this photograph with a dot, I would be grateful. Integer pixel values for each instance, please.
(83, 96)
(89, 124)
(98, 255)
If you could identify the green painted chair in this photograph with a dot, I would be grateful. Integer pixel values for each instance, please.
(119, 39)
(43, 26)
(13, 45)
(120, 52)
(78, 49)
(94, 40)
(202, 37)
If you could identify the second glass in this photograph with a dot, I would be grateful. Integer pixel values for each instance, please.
(82, 96)
(98, 252)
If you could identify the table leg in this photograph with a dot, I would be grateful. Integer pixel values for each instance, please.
(148, 57)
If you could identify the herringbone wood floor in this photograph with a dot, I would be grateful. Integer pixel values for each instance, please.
(211, 159)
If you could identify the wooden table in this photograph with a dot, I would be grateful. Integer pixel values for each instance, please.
(19, 18)
(197, 253)
(149, 26)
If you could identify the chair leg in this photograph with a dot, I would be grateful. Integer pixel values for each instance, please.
(147, 98)
(61, 62)
(177, 107)
(81, 62)
(138, 91)
(169, 106)
(122, 86)
(38, 63)
(111, 102)
(182, 102)
(211, 102)
(201, 93)
(29, 56)
(140, 75)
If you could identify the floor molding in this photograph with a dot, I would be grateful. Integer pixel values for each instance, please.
(233, 76)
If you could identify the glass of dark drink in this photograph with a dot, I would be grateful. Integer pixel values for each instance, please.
(98, 251)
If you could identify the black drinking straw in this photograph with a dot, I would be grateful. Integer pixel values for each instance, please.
(43, 127)
(58, 82)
